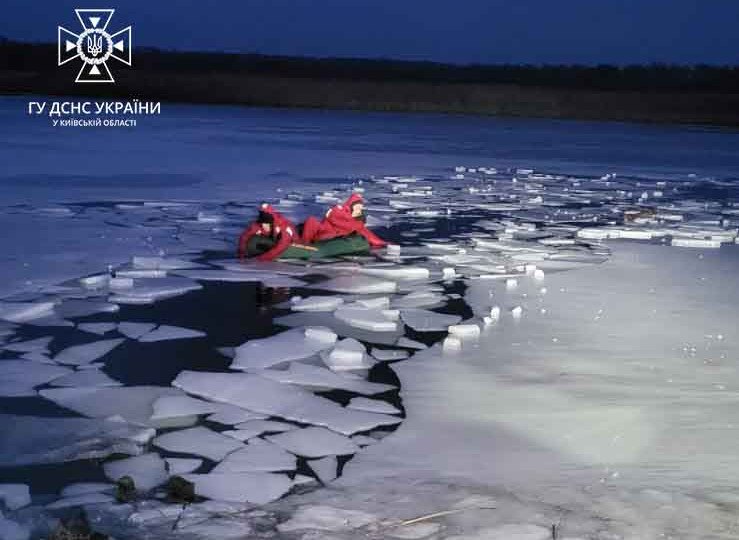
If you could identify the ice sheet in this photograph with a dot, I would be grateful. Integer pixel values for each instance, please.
(15, 496)
(167, 407)
(258, 456)
(166, 332)
(275, 399)
(423, 320)
(34, 440)
(199, 441)
(133, 403)
(314, 442)
(256, 488)
(147, 470)
(357, 285)
(366, 319)
(89, 352)
(88, 377)
(19, 377)
(135, 330)
(319, 378)
(280, 348)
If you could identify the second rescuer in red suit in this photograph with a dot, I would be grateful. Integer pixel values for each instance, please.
(341, 220)
(271, 224)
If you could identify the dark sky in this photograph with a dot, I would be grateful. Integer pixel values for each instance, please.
(460, 31)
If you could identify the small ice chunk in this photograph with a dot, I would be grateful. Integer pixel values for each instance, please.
(326, 469)
(178, 406)
(166, 332)
(465, 331)
(317, 303)
(83, 488)
(366, 319)
(314, 442)
(96, 281)
(321, 333)
(452, 343)
(88, 352)
(286, 346)
(389, 355)
(495, 313)
(81, 500)
(97, 328)
(448, 273)
(372, 405)
(348, 354)
(88, 377)
(25, 311)
(120, 283)
(423, 320)
(134, 330)
(180, 466)
(393, 249)
(141, 273)
(511, 283)
(15, 496)
(19, 377)
(695, 243)
(396, 272)
(252, 487)
(538, 274)
(357, 285)
(199, 441)
(517, 312)
(147, 470)
(410, 343)
(258, 456)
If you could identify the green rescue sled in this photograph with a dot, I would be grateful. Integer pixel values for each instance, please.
(353, 244)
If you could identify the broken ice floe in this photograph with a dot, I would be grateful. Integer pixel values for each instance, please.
(252, 487)
(275, 399)
(26, 440)
(283, 347)
(253, 428)
(319, 378)
(86, 353)
(423, 320)
(258, 456)
(166, 332)
(133, 403)
(199, 441)
(314, 442)
(19, 377)
(147, 470)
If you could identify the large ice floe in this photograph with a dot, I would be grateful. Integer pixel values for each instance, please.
(552, 359)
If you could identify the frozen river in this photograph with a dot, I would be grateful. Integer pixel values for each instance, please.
(550, 352)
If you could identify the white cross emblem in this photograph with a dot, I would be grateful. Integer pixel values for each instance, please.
(94, 45)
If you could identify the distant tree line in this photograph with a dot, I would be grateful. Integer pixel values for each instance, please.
(41, 57)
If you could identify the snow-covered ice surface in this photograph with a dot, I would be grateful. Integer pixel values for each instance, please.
(562, 341)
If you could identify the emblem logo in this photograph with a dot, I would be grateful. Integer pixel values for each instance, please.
(94, 45)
